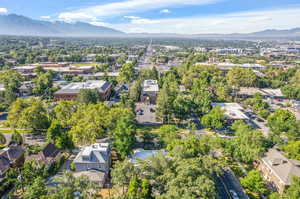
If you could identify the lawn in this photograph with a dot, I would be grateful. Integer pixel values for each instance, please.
(85, 65)
(10, 131)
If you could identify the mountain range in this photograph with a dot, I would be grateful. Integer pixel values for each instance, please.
(13, 24)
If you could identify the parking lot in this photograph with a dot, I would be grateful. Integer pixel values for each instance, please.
(146, 114)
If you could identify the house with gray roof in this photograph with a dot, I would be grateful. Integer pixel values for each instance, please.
(278, 170)
(94, 157)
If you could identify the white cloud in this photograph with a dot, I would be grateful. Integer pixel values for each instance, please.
(45, 17)
(131, 17)
(3, 11)
(127, 7)
(165, 11)
(241, 22)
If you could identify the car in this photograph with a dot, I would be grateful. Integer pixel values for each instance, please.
(152, 110)
(233, 194)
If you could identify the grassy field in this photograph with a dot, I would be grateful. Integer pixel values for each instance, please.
(11, 131)
(85, 65)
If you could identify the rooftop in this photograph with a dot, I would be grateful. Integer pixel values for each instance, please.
(150, 86)
(281, 166)
(100, 85)
(98, 152)
(263, 91)
(232, 111)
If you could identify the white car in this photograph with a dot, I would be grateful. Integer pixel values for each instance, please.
(233, 194)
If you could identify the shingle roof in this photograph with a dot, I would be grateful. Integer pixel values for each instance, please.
(12, 153)
(50, 151)
(281, 166)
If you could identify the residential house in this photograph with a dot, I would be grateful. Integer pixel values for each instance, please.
(278, 170)
(71, 91)
(10, 157)
(48, 155)
(96, 156)
(94, 161)
(150, 90)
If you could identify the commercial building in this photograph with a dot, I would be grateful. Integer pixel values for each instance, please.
(150, 90)
(71, 91)
(265, 92)
(278, 170)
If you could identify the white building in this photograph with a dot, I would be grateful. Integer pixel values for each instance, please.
(150, 90)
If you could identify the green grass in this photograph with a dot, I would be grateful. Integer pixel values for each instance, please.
(85, 65)
(10, 131)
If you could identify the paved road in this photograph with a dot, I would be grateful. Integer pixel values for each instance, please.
(145, 60)
(232, 183)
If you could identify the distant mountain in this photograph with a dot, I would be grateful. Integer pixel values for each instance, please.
(13, 24)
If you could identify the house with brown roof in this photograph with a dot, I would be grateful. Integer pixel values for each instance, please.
(48, 155)
(278, 170)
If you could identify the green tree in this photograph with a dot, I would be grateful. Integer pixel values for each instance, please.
(88, 96)
(43, 85)
(2, 139)
(239, 77)
(284, 121)
(135, 91)
(36, 190)
(64, 111)
(57, 135)
(293, 149)
(89, 122)
(293, 192)
(124, 136)
(17, 138)
(254, 184)
(12, 81)
(214, 119)
(127, 73)
(168, 133)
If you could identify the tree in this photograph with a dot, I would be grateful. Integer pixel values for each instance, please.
(168, 133)
(89, 122)
(135, 91)
(43, 84)
(63, 112)
(36, 190)
(28, 114)
(57, 135)
(34, 117)
(249, 144)
(69, 187)
(183, 104)
(165, 99)
(284, 121)
(293, 149)
(126, 74)
(124, 136)
(254, 184)
(293, 192)
(88, 96)
(239, 77)
(2, 139)
(214, 119)
(17, 138)
(12, 81)
(122, 174)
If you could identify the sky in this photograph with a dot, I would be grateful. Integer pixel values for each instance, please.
(165, 16)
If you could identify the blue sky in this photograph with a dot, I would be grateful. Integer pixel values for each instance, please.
(165, 16)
